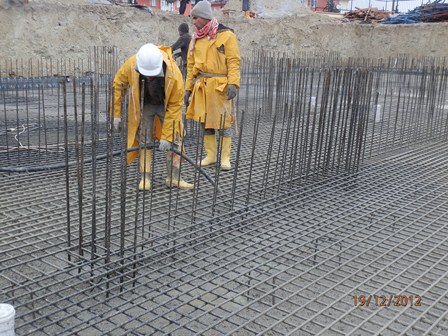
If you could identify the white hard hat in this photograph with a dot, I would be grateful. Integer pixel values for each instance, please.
(150, 60)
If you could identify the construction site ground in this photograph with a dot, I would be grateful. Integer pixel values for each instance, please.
(333, 220)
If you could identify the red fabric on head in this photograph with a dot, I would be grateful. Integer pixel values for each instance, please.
(210, 30)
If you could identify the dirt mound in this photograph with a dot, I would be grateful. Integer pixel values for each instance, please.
(62, 29)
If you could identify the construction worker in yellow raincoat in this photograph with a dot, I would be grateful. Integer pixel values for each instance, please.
(213, 79)
(154, 72)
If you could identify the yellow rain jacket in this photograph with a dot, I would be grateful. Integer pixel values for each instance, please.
(128, 78)
(211, 67)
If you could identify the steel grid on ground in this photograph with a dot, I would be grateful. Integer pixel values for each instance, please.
(300, 265)
(333, 221)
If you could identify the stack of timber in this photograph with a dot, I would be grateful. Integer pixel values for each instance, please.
(367, 15)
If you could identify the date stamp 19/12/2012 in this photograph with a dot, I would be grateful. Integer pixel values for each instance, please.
(387, 300)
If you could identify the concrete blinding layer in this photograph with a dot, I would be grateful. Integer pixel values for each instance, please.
(332, 221)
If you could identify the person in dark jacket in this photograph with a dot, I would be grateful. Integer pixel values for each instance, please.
(183, 6)
(182, 43)
(246, 9)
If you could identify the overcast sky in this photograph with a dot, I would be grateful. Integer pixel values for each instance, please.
(403, 6)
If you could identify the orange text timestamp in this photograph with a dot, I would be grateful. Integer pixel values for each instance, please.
(387, 300)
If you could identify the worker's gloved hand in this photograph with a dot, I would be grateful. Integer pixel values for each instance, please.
(117, 124)
(187, 98)
(231, 91)
(164, 145)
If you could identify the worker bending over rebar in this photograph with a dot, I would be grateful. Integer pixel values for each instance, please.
(153, 72)
(213, 79)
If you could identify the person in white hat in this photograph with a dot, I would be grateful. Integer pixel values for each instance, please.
(213, 79)
(154, 73)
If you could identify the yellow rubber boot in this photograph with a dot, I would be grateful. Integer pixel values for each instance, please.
(173, 178)
(225, 153)
(210, 150)
(145, 169)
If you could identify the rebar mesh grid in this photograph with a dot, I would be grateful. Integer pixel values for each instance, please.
(288, 265)
(322, 237)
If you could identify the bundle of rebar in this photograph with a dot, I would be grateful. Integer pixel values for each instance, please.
(436, 11)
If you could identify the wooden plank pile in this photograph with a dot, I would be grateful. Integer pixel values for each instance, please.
(367, 15)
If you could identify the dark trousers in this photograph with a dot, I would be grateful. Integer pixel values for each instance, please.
(183, 6)
(246, 5)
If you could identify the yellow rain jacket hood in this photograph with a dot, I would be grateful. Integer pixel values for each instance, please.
(128, 78)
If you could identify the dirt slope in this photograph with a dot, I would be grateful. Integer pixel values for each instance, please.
(50, 28)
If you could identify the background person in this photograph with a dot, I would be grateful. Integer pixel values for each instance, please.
(183, 6)
(246, 9)
(182, 43)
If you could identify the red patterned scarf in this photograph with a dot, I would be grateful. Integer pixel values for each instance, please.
(210, 30)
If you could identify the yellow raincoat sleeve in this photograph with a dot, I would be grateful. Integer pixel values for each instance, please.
(173, 111)
(174, 99)
(233, 60)
(190, 76)
(126, 79)
(121, 81)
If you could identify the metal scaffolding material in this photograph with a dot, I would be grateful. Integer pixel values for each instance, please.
(333, 220)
